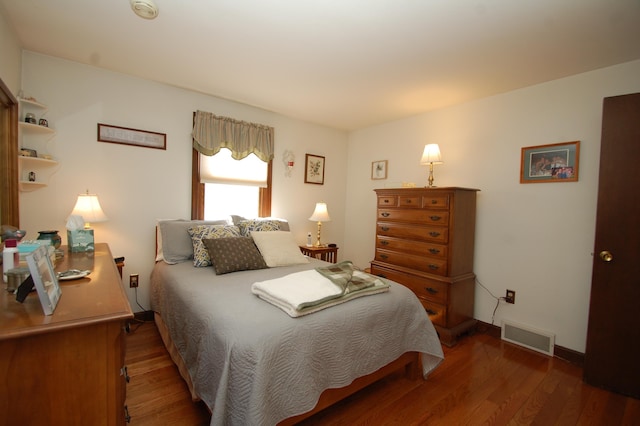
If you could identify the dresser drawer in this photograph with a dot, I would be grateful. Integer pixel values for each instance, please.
(437, 313)
(388, 201)
(417, 216)
(439, 201)
(424, 288)
(432, 265)
(411, 246)
(436, 234)
(405, 201)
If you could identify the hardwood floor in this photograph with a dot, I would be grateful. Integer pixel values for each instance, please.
(481, 381)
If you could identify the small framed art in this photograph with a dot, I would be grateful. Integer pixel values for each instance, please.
(556, 162)
(314, 169)
(44, 279)
(379, 169)
(135, 137)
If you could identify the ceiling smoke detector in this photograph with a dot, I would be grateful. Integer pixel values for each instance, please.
(146, 9)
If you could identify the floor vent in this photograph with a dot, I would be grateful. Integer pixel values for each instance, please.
(529, 337)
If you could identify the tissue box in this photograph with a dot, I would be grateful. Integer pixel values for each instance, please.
(80, 240)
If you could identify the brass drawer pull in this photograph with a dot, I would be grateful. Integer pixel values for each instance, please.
(434, 251)
(431, 290)
(433, 267)
(430, 312)
(384, 256)
(435, 218)
(125, 372)
(386, 201)
(384, 242)
(385, 214)
(434, 233)
(385, 228)
(434, 201)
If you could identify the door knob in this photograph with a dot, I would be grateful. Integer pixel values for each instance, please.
(606, 256)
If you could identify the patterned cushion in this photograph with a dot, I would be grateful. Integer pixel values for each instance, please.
(246, 226)
(234, 254)
(198, 233)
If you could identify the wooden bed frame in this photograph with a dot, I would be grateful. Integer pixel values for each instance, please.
(410, 362)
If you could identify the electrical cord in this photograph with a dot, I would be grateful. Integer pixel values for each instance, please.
(498, 299)
(137, 321)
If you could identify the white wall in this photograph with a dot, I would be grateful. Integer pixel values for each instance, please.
(10, 59)
(138, 185)
(536, 239)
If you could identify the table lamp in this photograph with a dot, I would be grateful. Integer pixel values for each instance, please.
(320, 214)
(87, 206)
(431, 156)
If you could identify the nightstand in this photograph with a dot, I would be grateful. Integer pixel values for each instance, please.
(328, 254)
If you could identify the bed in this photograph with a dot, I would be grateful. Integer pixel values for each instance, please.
(253, 364)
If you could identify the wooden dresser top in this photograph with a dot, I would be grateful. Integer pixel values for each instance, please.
(99, 297)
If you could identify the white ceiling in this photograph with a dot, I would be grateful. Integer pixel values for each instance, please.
(347, 64)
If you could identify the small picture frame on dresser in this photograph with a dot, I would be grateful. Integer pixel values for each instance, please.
(44, 279)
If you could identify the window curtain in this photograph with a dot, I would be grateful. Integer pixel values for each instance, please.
(211, 133)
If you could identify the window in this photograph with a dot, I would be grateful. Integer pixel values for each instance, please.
(223, 194)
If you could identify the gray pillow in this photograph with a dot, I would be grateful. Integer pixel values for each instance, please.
(234, 254)
(175, 241)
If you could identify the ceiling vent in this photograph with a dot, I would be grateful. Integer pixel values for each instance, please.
(146, 9)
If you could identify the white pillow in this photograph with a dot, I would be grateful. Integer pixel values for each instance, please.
(278, 248)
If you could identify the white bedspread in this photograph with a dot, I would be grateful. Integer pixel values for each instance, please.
(252, 364)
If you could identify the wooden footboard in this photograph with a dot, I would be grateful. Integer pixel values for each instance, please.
(410, 361)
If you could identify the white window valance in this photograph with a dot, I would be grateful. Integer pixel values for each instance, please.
(211, 133)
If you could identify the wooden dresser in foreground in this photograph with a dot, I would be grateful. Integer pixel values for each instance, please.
(425, 241)
(67, 368)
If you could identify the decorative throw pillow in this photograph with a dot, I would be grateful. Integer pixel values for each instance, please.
(198, 233)
(283, 223)
(234, 254)
(173, 243)
(278, 248)
(246, 226)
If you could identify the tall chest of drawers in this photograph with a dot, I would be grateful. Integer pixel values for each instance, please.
(425, 241)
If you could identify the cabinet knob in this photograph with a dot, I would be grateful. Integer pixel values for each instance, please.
(434, 251)
(385, 214)
(430, 312)
(385, 228)
(384, 242)
(434, 233)
(434, 201)
(384, 256)
(435, 218)
(431, 290)
(433, 267)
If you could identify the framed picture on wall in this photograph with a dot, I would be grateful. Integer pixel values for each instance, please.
(314, 169)
(556, 162)
(379, 169)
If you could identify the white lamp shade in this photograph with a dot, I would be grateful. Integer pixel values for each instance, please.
(320, 214)
(431, 154)
(89, 208)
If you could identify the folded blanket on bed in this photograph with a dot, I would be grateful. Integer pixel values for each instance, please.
(305, 292)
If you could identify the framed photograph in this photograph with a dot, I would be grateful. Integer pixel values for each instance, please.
(44, 279)
(126, 136)
(379, 169)
(314, 169)
(557, 162)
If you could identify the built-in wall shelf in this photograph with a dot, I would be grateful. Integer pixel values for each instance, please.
(34, 171)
